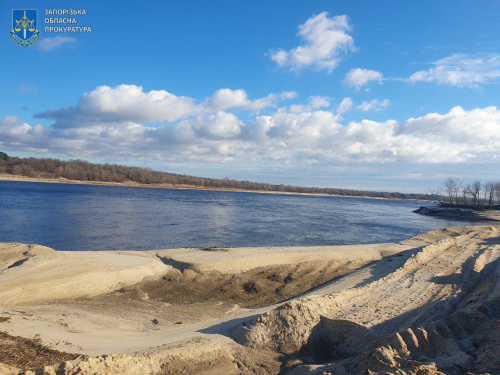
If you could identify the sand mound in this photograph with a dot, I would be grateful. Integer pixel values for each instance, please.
(243, 259)
(439, 310)
(15, 254)
(199, 356)
(31, 273)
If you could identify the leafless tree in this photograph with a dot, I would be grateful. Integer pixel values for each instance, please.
(448, 187)
(474, 191)
(497, 191)
(436, 195)
(466, 194)
(452, 187)
(489, 192)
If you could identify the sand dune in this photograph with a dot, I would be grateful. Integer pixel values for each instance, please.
(429, 305)
(32, 273)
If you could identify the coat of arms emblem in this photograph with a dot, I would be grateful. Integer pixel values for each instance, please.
(24, 27)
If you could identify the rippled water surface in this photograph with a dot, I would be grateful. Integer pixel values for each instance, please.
(85, 217)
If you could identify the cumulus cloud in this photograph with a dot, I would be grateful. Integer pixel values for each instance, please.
(131, 103)
(357, 78)
(314, 103)
(461, 70)
(122, 103)
(48, 44)
(226, 98)
(310, 135)
(478, 126)
(345, 105)
(374, 105)
(325, 41)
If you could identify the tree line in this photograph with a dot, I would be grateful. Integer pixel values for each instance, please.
(85, 171)
(477, 194)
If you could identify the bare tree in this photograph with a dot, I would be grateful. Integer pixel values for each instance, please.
(474, 190)
(489, 192)
(452, 188)
(436, 195)
(466, 194)
(497, 191)
(448, 186)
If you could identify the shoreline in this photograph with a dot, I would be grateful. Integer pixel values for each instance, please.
(458, 213)
(16, 178)
(184, 310)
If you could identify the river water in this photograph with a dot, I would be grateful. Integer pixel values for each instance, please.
(89, 217)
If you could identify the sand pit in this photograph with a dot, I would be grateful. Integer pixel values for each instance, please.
(428, 305)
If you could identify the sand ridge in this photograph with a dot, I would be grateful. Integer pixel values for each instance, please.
(34, 273)
(241, 259)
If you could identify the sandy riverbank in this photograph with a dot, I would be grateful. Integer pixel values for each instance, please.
(9, 177)
(427, 304)
(457, 213)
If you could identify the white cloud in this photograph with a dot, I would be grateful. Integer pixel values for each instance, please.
(123, 103)
(48, 44)
(221, 125)
(374, 105)
(345, 106)
(226, 98)
(317, 102)
(480, 126)
(357, 78)
(326, 39)
(131, 103)
(462, 70)
(314, 103)
(300, 138)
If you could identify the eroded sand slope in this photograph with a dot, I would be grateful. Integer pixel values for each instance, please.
(426, 306)
(439, 308)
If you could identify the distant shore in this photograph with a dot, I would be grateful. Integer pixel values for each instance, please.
(16, 178)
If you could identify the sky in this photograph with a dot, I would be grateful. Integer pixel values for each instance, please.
(376, 95)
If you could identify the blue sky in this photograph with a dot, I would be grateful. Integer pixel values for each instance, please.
(394, 61)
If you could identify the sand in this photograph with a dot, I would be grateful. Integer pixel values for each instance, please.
(32, 273)
(435, 307)
(237, 260)
(428, 305)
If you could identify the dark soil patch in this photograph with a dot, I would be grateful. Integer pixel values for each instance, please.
(255, 288)
(250, 287)
(214, 248)
(28, 354)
